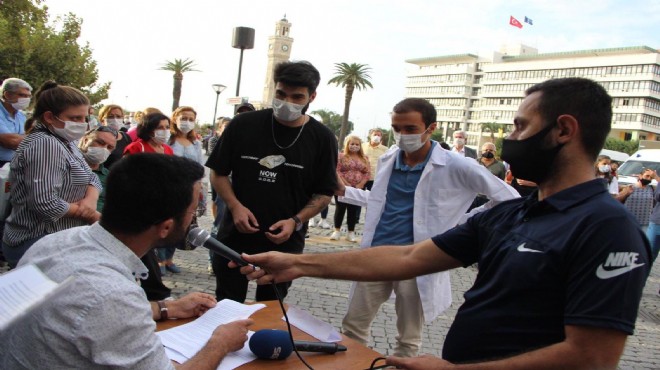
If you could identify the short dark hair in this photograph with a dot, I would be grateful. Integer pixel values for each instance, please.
(426, 109)
(583, 99)
(149, 124)
(298, 74)
(145, 189)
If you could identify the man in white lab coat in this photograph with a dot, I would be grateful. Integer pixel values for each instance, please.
(420, 190)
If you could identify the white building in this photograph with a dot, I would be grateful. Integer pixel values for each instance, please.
(468, 90)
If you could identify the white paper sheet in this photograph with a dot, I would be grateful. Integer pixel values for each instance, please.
(23, 289)
(184, 341)
(311, 325)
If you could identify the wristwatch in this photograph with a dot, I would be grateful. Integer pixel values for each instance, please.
(298, 222)
(163, 310)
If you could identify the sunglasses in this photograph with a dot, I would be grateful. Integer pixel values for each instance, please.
(104, 129)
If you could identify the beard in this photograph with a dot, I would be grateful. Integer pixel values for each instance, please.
(176, 237)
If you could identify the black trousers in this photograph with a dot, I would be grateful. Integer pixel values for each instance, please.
(351, 214)
(231, 284)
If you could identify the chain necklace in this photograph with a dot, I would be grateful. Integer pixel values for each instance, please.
(272, 130)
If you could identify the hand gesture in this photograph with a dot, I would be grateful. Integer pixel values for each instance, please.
(273, 266)
(233, 335)
(281, 231)
(193, 304)
(244, 220)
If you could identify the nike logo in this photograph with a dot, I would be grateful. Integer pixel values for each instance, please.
(623, 261)
(521, 248)
(606, 274)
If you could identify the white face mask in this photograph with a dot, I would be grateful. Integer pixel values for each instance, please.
(409, 143)
(162, 136)
(459, 141)
(96, 154)
(604, 168)
(186, 126)
(71, 131)
(114, 123)
(375, 139)
(285, 111)
(21, 103)
(354, 148)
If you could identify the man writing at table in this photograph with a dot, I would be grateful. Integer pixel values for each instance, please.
(561, 272)
(104, 318)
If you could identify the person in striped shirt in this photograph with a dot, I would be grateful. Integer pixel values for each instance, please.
(53, 188)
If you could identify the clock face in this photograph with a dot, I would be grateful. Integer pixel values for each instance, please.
(285, 47)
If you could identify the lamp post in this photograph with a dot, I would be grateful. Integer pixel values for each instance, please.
(218, 89)
(243, 38)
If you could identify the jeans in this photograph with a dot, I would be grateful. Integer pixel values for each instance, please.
(653, 233)
(14, 253)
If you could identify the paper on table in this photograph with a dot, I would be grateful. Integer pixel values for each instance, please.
(23, 289)
(230, 362)
(189, 338)
(311, 325)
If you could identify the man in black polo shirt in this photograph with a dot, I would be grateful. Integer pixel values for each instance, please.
(561, 271)
(282, 164)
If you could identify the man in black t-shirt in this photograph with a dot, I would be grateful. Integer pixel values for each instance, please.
(561, 272)
(282, 164)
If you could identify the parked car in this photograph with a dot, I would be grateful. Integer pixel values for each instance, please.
(646, 158)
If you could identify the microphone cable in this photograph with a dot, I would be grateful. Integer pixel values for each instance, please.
(288, 325)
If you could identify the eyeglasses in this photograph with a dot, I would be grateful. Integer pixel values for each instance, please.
(104, 129)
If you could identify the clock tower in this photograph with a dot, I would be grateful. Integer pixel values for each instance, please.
(279, 50)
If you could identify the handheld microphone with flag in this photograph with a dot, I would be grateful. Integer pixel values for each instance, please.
(272, 344)
(199, 237)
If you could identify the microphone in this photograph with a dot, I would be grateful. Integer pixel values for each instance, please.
(199, 237)
(271, 344)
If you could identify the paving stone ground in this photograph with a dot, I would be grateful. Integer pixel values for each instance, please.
(326, 299)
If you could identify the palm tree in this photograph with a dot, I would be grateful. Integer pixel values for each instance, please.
(492, 127)
(350, 76)
(179, 67)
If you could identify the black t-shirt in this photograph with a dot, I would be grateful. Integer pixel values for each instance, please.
(575, 258)
(273, 183)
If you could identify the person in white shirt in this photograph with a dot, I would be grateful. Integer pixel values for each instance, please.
(460, 137)
(419, 190)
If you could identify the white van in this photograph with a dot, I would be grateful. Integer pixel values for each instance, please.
(633, 166)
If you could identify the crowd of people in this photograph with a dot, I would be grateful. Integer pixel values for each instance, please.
(561, 269)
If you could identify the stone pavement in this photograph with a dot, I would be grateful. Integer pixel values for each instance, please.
(326, 299)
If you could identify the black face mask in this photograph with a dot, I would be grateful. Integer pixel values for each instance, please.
(528, 160)
(644, 181)
(488, 155)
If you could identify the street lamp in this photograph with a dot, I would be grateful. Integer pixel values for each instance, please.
(218, 89)
(243, 38)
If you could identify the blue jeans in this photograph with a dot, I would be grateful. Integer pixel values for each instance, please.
(653, 233)
(14, 253)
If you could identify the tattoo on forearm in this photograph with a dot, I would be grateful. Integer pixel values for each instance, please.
(318, 202)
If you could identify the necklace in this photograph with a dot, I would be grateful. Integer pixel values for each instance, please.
(272, 130)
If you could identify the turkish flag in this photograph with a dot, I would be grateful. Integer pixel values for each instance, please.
(514, 22)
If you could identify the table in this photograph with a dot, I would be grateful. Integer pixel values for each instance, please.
(357, 356)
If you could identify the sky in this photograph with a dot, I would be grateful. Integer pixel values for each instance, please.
(132, 39)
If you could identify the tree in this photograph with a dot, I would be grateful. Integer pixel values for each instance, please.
(179, 67)
(492, 127)
(332, 120)
(36, 52)
(350, 76)
(628, 147)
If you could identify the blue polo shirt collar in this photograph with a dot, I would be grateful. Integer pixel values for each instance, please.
(568, 198)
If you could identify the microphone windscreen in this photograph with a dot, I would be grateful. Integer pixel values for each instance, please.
(271, 344)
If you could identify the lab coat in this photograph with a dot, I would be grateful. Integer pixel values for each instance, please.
(446, 189)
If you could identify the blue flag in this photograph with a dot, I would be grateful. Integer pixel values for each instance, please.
(529, 20)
